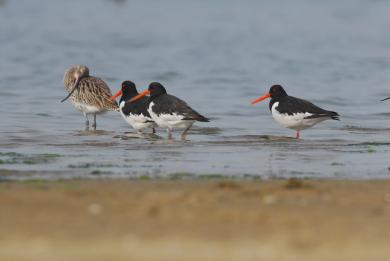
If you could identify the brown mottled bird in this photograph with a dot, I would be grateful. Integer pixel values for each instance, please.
(88, 94)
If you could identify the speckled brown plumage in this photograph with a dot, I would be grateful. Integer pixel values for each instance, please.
(92, 91)
(91, 94)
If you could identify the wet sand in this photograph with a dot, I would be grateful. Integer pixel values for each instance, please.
(195, 220)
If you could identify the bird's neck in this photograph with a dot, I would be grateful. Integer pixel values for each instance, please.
(274, 100)
(154, 96)
(128, 96)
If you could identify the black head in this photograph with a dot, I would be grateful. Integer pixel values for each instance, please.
(129, 90)
(129, 87)
(156, 89)
(277, 91)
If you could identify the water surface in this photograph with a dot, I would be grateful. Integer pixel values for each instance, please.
(216, 55)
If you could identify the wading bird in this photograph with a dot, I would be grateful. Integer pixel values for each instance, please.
(294, 113)
(135, 113)
(168, 111)
(88, 94)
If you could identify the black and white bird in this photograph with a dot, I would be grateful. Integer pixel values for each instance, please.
(134, 113)
(385, 99)
(294, 113)
(168, 111)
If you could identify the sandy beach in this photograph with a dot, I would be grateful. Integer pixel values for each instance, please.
(195, 220)
(76, 186)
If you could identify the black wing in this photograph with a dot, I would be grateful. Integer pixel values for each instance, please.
(137, 107)
(168, 104)
(290, 105)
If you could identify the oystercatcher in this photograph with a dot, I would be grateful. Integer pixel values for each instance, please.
(168, 111)
(294, 113)
(134, 113)
(88, 94)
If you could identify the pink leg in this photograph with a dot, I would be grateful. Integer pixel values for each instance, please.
(184, 134)
(169, 134)
(297, 137)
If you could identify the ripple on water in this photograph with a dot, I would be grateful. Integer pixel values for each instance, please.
(364, 129)
(219, 68)
(134, 135)
(92, 133)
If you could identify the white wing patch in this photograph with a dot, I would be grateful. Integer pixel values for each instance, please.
(297, 121)
(137, 121)
(169, 121)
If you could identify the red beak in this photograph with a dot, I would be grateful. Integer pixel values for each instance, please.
(113, 98)
(265, 96)
(139, 96)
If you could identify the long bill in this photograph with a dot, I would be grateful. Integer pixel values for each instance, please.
(76, 85)
(265, 96)
(113, 98)
(385, 99)
(139, 96)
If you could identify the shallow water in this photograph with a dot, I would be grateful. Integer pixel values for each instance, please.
(216, 55)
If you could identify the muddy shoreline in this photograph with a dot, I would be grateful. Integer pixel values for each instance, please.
(194, 220)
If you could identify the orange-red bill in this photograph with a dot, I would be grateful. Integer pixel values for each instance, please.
(112, 98)
(140, 95)
(265, 96)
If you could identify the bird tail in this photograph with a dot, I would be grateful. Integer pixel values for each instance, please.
(197, 117)
(112, 106)
(334, 115)
(202, 118)
(331, 114)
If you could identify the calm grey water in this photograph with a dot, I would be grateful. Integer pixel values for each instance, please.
(217, 55)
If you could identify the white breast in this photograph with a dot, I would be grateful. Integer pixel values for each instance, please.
(296, 121)
(169, 121)
(86, 108)
(138, 122)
